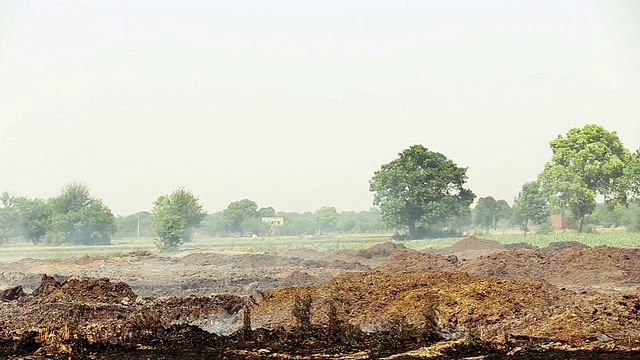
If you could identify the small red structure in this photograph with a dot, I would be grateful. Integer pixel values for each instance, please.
(558, 222)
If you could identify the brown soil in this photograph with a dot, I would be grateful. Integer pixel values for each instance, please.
(572, 265)
(204, 273)
(564, 301)
(499, 307)
(381, 250)
(470, 247)
(410, 260)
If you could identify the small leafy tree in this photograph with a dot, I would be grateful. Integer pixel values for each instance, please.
(35, 218)
(175, 217)
(79, 218)
(632, 187)
(326, 218)
(486, 212)
(9, 217)
(530, 205)
(418, 189)
(503, 211)
(632, 176)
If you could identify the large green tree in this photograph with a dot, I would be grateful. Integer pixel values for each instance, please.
(175, 217)
(79, 218)
(420, 188)
(238, 212)
(530, 206)
(587, 162)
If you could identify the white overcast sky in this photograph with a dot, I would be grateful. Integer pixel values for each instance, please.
(294, 104)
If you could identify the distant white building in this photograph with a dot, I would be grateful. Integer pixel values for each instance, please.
(273, 220)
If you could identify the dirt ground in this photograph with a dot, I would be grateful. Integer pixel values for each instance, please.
(476, 299)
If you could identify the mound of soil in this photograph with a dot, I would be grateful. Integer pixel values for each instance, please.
(200, 274)
(560, 246)
(381, 250)
(463, 302)
(519, 246)
(418, 261)
(469, 248)
(572, 265)
(102, 290)
(471, 243)
(598, 267)
(395, 308)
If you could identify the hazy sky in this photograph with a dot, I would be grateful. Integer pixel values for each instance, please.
(294, 104)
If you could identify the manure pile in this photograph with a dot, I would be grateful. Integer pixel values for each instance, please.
(476, 299)
(602, 268)
(356, 315)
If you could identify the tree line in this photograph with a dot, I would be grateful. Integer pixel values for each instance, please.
(421, 193)
(73, 216)
(423, 189)
(233, 221)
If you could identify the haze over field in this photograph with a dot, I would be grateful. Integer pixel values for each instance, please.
(296, 104)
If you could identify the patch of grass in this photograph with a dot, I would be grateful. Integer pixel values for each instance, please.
(598, 239)
(335, 242)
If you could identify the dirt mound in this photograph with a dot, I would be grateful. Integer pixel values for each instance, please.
(498, 307)
(519, 246)
(215, 313)
(560, 246)
(418, 261)
(515, 264)
(598, 267)
(396, 309)
(469, 248)
(576, 267)
(381, 250)
(471, 243)
(602, 265)
(253, 261)
(101, 290)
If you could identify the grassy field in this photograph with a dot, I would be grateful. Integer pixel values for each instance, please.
(14, 252)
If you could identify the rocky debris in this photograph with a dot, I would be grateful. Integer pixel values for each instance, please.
(13, 293)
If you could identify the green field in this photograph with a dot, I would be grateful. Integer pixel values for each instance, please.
(14, 252)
